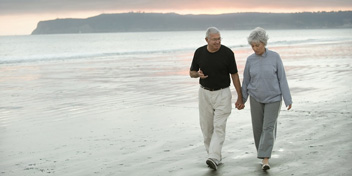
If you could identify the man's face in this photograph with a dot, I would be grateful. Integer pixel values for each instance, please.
(214, 42)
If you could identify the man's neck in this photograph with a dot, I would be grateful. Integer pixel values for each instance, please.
(212, 51)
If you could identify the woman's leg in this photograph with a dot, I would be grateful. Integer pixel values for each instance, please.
(257, 113)
(266, 144)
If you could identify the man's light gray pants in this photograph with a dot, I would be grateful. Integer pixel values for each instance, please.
(264, 121)
(214, 109)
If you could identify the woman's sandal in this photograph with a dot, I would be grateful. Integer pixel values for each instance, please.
(265, 167)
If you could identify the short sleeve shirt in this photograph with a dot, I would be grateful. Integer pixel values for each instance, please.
(217, 66)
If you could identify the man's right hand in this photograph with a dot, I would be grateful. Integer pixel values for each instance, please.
(201, 74)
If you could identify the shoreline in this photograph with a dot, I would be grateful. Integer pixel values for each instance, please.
(109, 117)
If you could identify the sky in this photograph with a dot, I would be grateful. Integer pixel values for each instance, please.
(20, 17)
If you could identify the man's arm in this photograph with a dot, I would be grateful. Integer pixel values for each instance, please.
(236, 82)
(193, 74)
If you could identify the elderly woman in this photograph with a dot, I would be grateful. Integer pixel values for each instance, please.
(264, 80)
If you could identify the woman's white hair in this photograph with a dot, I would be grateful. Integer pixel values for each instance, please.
(258, 35)
(211, 30)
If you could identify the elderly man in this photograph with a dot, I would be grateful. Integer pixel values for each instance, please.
(214, 64)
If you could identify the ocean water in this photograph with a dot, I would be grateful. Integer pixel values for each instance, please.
(43, 48)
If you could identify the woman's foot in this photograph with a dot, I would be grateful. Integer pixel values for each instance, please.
(266, 167)
(265, 164)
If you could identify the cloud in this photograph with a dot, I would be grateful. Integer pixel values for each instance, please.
(61, 6)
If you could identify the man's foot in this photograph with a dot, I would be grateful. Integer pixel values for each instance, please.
(212, 163)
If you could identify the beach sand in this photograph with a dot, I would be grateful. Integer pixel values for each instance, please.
(139, 116)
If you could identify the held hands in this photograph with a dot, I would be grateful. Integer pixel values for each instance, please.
(239, 104)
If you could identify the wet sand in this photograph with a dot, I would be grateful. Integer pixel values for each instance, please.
(139, 116)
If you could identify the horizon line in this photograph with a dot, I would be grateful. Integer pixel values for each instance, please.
(151, 12)
(323, 11)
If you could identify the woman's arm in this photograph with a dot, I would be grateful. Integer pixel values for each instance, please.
(285, 90)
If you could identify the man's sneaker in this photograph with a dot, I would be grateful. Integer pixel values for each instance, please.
(212, 163)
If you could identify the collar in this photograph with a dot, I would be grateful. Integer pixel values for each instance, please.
(264, 54)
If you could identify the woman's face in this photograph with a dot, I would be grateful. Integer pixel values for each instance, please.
(258, 48)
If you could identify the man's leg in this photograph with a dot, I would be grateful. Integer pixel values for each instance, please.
(223, 107)
(206, 116)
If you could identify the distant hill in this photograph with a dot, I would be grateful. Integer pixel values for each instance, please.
(135, 22)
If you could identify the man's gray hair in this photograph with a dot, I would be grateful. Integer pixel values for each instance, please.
(258, 35)
(211, 30)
